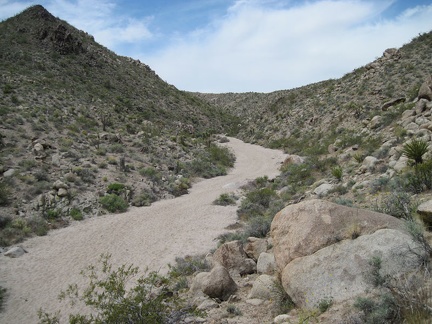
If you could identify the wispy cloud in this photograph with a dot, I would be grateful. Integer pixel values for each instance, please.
(260, 48)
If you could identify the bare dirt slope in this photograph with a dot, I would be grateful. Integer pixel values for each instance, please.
(146, 237)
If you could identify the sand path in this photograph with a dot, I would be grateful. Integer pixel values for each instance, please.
(146, 237)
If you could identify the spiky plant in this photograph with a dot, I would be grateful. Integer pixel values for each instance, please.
(415, 150)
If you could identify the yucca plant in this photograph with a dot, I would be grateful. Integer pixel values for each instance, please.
(415, 150)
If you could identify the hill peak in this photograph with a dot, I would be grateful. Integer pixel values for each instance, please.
(37, 12)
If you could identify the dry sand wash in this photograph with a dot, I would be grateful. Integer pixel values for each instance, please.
(146, 237)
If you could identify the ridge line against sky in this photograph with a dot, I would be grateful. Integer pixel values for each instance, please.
(244, 45)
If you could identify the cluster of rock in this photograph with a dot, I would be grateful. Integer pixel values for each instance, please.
(317, 251)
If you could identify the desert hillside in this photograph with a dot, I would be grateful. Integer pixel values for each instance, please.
(341, 235)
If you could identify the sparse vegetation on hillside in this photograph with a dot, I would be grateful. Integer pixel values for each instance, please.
(76, 113)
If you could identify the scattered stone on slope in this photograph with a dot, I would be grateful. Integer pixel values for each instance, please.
(232, 256)
(368, 164)
(216, 284)
(340, 271)
(15, 252)
(425, 91)
(323, 189)
(266, 263)
(264, 287)
(304, 228)
(391, 103)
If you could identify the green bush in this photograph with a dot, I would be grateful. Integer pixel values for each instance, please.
(151, 173)
(415, 150)
(337, 172)
(225, 200)
(188, 266)
(111, 301)
(145, 198)
(324, 304)
(382, 311)
(2, 297)
(114, 203)
(5, 193)
(76, 214)
(115, 188)
(420, 178)
(398, 204)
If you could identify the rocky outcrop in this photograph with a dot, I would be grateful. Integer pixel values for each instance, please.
(303, 229)
(340, 271)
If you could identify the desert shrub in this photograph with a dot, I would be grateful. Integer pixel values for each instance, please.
(151, 173)
(41, 175)
(412, 295)
(234, 310)
(85, 174)
(256, 202)
(344, 202)
(5, 221)
(423, 252)
(379, 184)
(52, 213)
(115, 188)
(27, 164)
(38, 225)
(258, 227)
(2, 297)
(225, 200)
(337, 172)
(213, 162)
(179, 186)
(144, 198)
(419, 179)
(415, 150)
(116, 148)
(398, 204)
(76, 214)
(5, 193)
(221, 156)
(324, 304)
(188, 266)
(114, 203)
(110, 299)
(374, 276)
(379, 311)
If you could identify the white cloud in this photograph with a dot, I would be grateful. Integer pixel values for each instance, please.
(99, 18)
(257, 48)
(9, 9)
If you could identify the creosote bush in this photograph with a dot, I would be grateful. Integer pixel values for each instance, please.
(225, 200)
(114, 203)
(110, 299)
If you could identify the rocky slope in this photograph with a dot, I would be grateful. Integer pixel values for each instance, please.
(77, 118)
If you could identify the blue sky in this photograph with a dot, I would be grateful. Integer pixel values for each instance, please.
(244, 45)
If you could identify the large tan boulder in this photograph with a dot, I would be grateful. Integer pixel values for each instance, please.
(304, 228)
(340, 271)
(216, 284)
(232, 256)
(425, 91)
